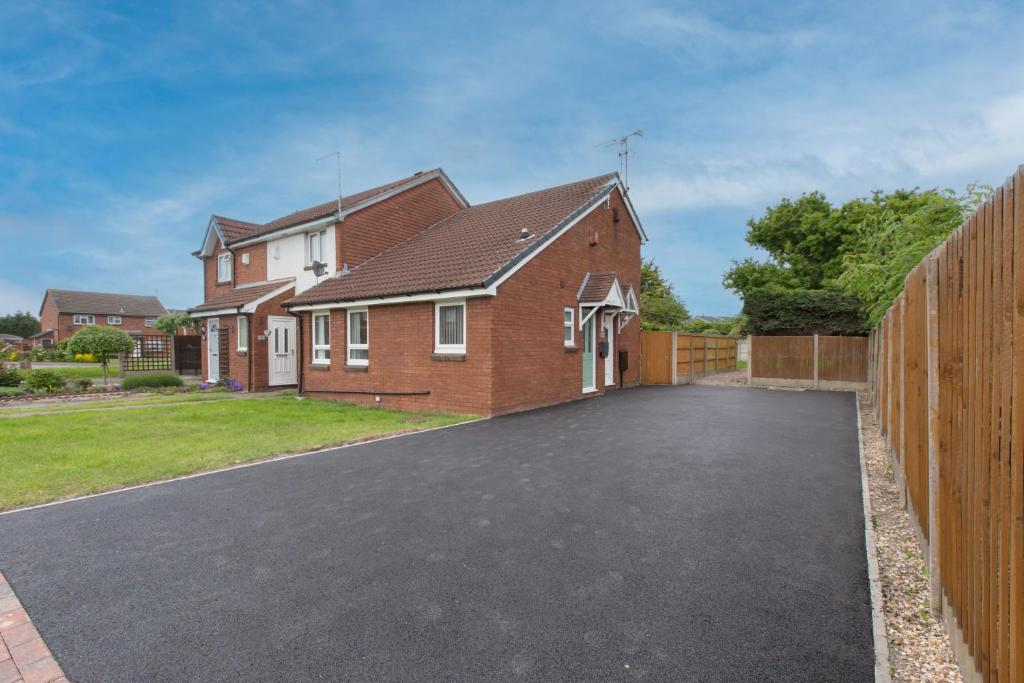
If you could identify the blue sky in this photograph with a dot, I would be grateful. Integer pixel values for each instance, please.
(123, 127)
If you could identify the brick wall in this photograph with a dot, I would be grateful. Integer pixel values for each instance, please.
(254, 271)
(401, 344)
(369, 232)
(532, 365)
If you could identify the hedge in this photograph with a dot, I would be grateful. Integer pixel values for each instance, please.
(803, 311)
(152, 381)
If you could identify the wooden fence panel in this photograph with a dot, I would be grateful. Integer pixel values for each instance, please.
(843, 359)
(783, 357)
(973, 505)
(696, 355)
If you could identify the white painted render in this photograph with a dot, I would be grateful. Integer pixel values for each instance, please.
(286, 258)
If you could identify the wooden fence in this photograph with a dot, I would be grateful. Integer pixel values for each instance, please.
(809, 361)
(679, 357)
(947, 377)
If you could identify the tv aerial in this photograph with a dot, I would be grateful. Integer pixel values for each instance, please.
(337, 155)
(623, 144)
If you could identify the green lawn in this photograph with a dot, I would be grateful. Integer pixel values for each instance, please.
(100, 403)
(47, 457)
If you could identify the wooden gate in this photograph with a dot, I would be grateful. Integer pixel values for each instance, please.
(679, 357)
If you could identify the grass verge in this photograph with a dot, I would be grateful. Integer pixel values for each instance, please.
(48, 457)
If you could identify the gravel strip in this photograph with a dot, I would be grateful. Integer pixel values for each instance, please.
(731, 378)
(919, 649)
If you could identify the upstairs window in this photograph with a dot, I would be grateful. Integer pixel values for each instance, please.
(568, 334)
(315, 247)
(84, 319)
(224, 267)
(150, 322)
(322, 338)
(113, 320)
(358, 337)
(450, 327)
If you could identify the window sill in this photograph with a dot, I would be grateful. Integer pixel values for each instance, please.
(448, 357)
(572, 349)
(242, 353)
(357, 368)
(319, 366)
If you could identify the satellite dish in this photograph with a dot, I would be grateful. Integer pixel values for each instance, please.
(319, 268)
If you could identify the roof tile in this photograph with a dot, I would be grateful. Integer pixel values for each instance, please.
(71, 301)
(462, 250)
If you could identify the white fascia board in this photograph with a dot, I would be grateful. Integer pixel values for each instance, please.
(252, 305)
(402, 299)
(207, 249)
(214, 314)
(293, 230)
(305, 227)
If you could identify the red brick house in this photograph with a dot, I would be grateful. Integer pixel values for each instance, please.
(64, 312)
(503, 306)
(250, 269)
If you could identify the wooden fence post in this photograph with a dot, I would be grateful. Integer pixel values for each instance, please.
(690, 365)
(750, 359)
(900, 432)
(815, 360)
(675, 358)
(934, 536)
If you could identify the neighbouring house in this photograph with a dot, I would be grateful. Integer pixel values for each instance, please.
(13, 341)
(250, 269)
(485, 309)
(64, 312)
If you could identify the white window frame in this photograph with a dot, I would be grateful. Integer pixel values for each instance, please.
(84, 319)
(321, 347)
(224, 274)
(569, 324)
(150, 322)
(113, 320)
(349, 346)
(448, 348)
(242, 340)
(321, 239)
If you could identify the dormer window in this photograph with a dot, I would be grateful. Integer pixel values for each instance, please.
(224, 267)
(315, 243)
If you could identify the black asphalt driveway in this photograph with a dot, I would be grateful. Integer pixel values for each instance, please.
(665, 534)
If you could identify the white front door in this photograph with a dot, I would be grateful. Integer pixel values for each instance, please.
(213, 349)
(282, 350)
(609, 360)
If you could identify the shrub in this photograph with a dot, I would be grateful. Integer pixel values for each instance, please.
(9, 377)
(152, 381)
(44, 381)
(102, 343)
(85, 358)
(803, 311)
(84, 383)
(11, 391)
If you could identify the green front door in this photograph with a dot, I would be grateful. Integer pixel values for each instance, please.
(588, 355)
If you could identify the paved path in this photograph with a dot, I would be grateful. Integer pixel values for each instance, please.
(663, 533)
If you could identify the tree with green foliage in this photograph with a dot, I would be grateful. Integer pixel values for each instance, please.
(660, 308)
(863, 248)
(22, 324)
(102, 342)
(890, 242)
(170, 324)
